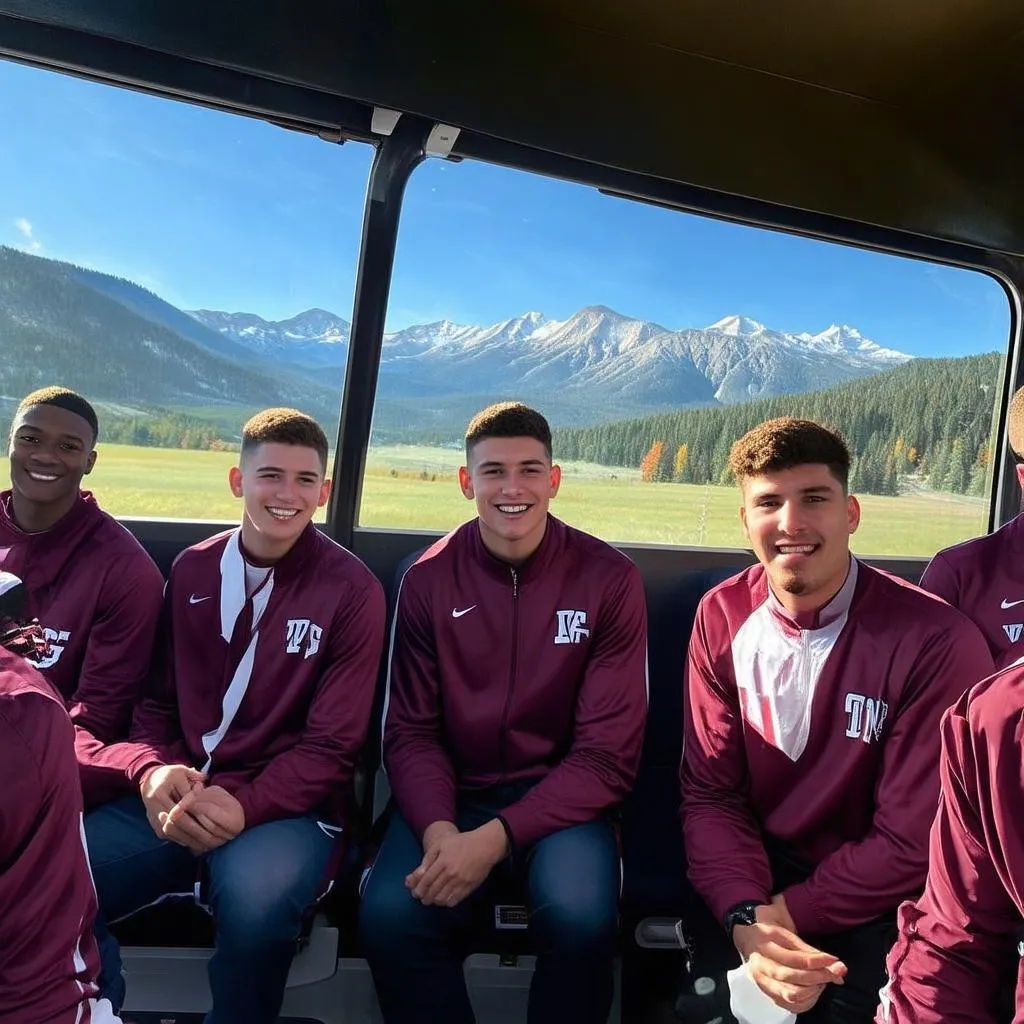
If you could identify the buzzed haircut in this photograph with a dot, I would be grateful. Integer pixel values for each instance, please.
(1015, 423)
(62, 398)
(784, 443)
(284, 426)
(508, 419)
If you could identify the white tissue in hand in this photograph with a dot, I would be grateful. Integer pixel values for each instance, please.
(749, 1004)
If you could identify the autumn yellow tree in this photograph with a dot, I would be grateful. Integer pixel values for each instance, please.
(679, 464)
(651, 462)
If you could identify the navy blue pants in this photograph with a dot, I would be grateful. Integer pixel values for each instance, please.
(572, 886)
(260, 886)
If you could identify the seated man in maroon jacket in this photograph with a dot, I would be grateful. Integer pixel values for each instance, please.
(90, 583)
(814, 689)
(513, 726)
(243, 751)
(958, 956)
(984, 577)
(48, 958)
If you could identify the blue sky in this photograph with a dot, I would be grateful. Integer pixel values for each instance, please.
(215, 211)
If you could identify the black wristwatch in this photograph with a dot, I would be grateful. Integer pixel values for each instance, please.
(741, 913)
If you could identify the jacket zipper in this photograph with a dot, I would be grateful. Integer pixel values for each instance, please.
(511, 674)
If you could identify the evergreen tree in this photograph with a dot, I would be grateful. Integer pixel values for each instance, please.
(904, 421)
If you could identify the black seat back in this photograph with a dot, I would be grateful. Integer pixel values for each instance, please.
(654, 881)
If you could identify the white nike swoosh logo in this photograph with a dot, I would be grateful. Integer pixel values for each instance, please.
(457, 613)
(197, 600)
(1009, 604)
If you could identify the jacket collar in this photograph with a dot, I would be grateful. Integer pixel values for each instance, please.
(821, 617)
(84, 511)
(550, 546)
(289, 565)
(39, 558)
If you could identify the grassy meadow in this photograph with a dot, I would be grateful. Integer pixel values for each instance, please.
(412, 487)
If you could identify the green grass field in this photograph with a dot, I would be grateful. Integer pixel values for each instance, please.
(410, 487)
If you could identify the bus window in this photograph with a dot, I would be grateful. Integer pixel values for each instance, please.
(652, 339)
(181, 267)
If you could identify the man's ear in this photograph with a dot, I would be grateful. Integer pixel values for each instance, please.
(325, 493)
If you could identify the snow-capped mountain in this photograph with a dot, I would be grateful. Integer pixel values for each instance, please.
(314, 338)
(737, 326)
(842, 339)
(597, 354)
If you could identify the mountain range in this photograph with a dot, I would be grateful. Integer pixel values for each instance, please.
(125, 346)
(597, 363)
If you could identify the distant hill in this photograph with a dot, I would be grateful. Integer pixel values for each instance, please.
(932, 418)
(118, 343)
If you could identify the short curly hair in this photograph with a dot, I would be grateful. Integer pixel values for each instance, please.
(62, 398)
(284, 426)
(508, 419)
(786, 442)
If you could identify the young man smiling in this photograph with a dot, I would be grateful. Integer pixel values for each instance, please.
(90, 583)
(512, 730)
(814, 690)
(243, 753)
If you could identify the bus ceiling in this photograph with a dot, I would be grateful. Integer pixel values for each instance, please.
(896, 116)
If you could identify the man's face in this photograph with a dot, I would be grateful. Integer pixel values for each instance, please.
(282, 486)
(51, 450)
(512, 481)
(799, 523)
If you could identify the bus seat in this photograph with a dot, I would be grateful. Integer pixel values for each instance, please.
(655, 869)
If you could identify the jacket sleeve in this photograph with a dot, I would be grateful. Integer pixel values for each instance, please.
(116, 663)
(155, 737)
(322, 763)
(863, 879)
(725, 853)
(611, 712)
(956, 947)
(940, 579)
(419, 769)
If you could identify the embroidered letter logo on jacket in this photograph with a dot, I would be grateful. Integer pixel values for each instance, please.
(571, 627)
(297, 631)
(57, 638)
(1013, 630)
(865, 717)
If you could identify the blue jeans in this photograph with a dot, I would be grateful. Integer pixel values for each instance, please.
(259, 887)
(415, 951)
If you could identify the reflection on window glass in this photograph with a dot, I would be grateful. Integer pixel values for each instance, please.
(653, 339)
(180, 267)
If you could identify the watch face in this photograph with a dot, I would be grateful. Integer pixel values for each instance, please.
(745, 913)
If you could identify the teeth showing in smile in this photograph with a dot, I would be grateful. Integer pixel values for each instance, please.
(795, 549)
(512, 509)
(42, 477)
(282, 513)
